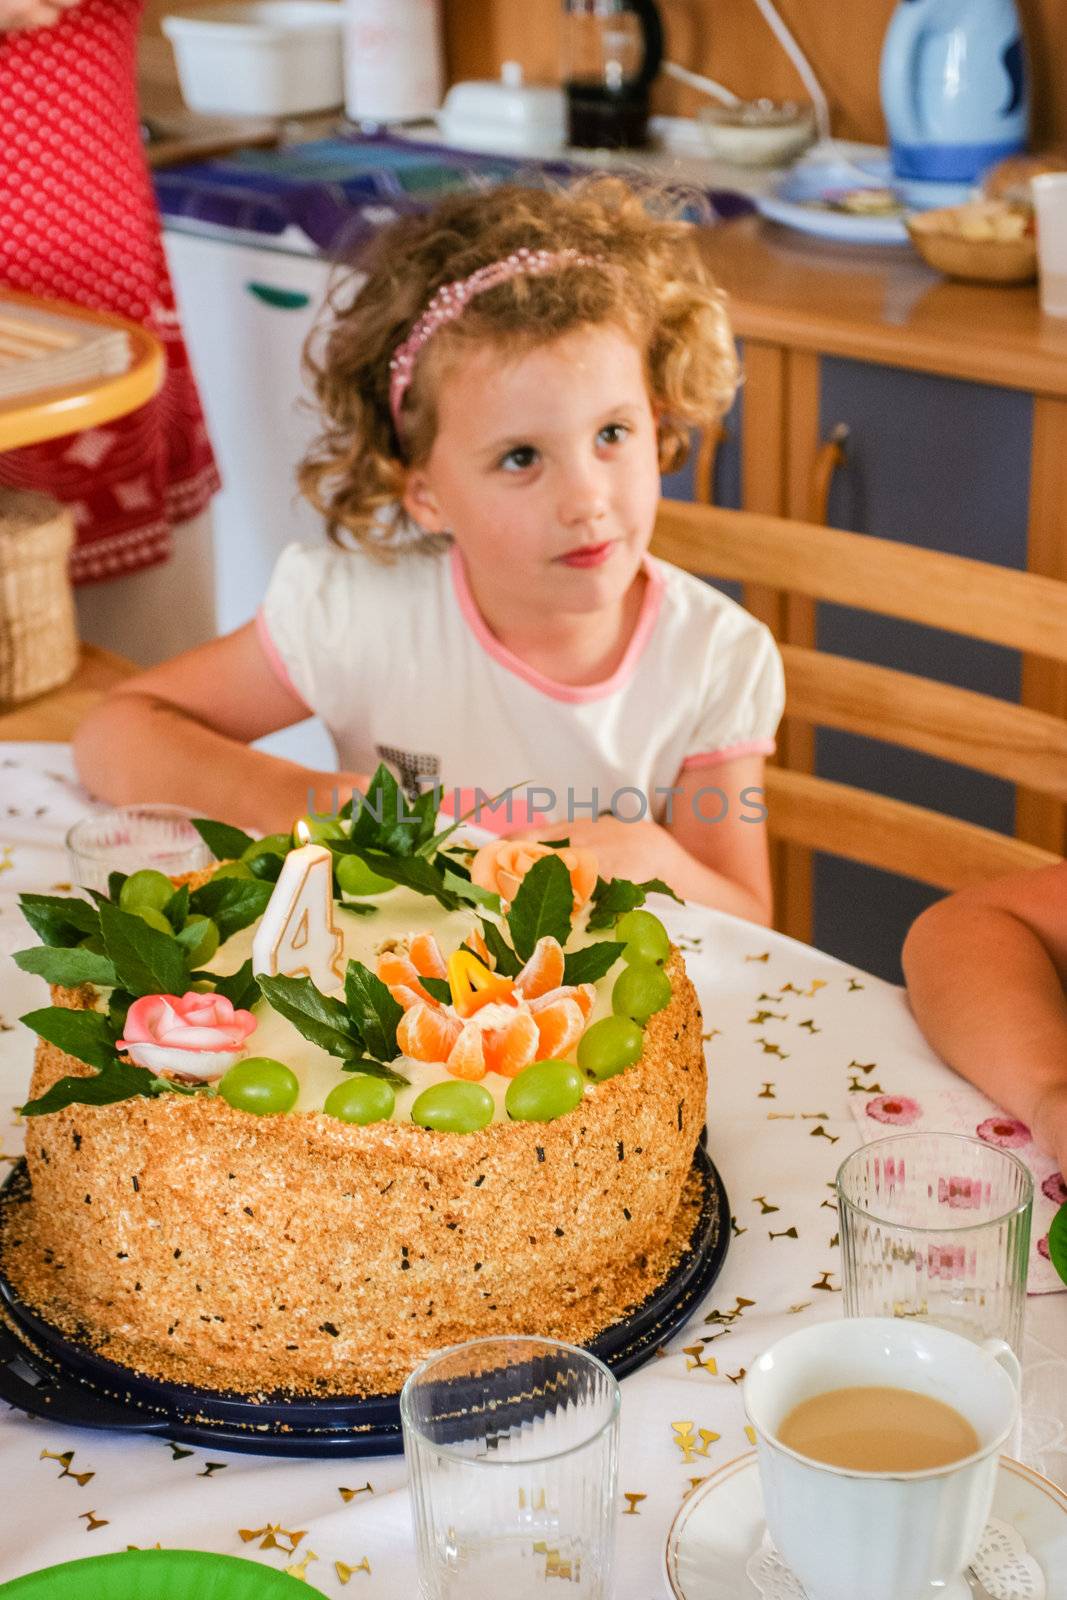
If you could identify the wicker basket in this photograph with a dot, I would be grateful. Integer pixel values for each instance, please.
(38, 637)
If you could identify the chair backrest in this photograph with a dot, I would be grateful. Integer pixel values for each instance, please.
(997, 604)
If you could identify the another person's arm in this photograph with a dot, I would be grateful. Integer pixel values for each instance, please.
(181, 732)
(986, 971)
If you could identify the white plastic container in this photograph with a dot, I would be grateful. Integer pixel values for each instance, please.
(505, 115)
(259, 58)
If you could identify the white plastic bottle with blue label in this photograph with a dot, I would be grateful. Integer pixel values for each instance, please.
(954, 87)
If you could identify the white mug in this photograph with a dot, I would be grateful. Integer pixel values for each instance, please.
(881, 1535)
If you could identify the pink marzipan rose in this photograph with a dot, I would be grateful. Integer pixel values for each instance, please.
(190, 1035)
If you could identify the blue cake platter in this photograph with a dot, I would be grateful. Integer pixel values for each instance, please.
(47, 1373)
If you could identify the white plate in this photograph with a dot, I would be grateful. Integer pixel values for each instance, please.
(721, 1525)
(790, 204)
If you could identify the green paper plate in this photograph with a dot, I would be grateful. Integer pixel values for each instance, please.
(155, 1575)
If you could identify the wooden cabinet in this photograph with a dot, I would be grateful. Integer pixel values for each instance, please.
(954, 400)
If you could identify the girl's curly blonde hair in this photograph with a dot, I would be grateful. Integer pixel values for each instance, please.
(653, 284)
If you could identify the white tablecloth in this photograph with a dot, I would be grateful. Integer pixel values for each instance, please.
(793, 1035)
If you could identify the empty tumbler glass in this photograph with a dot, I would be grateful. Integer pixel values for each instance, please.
(512, 1447)
(937, 1226)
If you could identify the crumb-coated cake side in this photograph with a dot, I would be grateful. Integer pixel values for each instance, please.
(204, 1245)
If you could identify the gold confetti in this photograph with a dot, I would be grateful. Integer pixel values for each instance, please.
(694, 1483)
(812, 990)
(696, 1355)
(764, 1205)
(750, 1433)
(809, 1023)
(766, 956)
(853, 986)
(632, 1503)
(712, 1033)
(786, 1233)
(791, 988)
(299, 1569)
(737, 1232)
(764, 1016)
(767, 1092)
(176, 1451)
(781, 1116)
(92, 1520)
(538, 1504)
(772, 1049)
(773, 999)
(736, 1377)
(803, 1306)
(741, 1305)
(350, 1494)
(156, 1546)
(816, 1116)
(835, 1242)
(274, 1537)
(821, 1133)
(212, 1466)
(65, 1459)
(823, 1282)
(344, 1571)
(856, 1087)
(862, 1066)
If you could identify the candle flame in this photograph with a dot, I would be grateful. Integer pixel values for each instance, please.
(303, 832)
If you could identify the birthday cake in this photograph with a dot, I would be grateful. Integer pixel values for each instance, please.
(311, 1114)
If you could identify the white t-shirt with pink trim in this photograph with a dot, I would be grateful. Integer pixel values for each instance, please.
(401, 667)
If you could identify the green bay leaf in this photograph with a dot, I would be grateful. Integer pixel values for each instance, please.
(319, 1017)
(542, 906)
(58, 920)
(373, 1011)
(66, 966)
(1057, 1242)
(117, 1081)
(591, 962)
(231, 903)
(145, 960)
(226, 843)
(86, 1035)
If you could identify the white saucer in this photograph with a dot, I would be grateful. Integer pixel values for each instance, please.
(721, 1525)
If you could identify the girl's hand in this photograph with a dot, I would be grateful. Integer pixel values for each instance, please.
(18, 15)
(1049, 1118)
(635, 850)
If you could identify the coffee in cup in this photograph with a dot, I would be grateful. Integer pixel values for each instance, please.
(866, 1525)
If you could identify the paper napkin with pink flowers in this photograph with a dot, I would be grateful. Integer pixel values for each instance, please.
(960, 1108)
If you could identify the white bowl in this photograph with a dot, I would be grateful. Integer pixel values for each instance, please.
(259, 58)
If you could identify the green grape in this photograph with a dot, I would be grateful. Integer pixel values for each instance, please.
(321, 829)
(145, 888)
(233, 869)
(544, 1091)
(645, 937)
(260, 1085)
(155, 919)
(275, 844)
(456, 1107)
(610, 1046)
(361, 1099)
(355, 877)
(640, 990)
(205, 946)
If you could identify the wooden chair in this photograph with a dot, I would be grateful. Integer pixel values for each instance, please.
(982, 601)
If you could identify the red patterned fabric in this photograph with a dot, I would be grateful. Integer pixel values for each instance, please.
(78, 222)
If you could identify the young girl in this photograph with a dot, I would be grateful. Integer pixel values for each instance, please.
(500, 395)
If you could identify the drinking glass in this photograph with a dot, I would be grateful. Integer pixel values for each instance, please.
(512, 1447)
(130, 837)
(1050, 204)
(937, 1226)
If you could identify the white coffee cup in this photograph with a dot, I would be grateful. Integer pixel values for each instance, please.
(880, 1535)
(1049, 190)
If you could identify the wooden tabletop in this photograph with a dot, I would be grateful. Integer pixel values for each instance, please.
(53, 413)
(884, 305)
(56, 715)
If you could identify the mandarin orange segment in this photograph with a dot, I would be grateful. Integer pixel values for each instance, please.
(475, 941)
(395, 969)
(543, 971)
(583, 994)
(425, 956)
(466, 1059)
(406, 996)
(509, 1049)
(559, 1027)
(426, 1033)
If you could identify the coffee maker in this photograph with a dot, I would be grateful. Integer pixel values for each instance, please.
(612, 50)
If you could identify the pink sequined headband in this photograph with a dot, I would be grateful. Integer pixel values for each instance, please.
(449, 301)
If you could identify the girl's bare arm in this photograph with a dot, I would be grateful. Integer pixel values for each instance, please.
(181, 732)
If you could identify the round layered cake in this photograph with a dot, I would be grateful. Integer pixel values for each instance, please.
(200, 1242)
